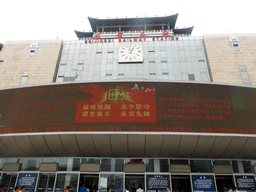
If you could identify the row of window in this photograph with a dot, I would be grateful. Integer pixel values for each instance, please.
(117, 164)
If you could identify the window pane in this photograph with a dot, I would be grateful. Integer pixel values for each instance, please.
(201, 166)
(64, 180)
(157, 165)
(30, 164)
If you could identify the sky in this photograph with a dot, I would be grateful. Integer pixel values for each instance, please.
(49, 19)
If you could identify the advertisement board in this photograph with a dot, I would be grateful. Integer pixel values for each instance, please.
(130, 107)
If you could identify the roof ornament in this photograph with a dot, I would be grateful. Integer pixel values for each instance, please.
(119, 36)
(166, 34)
(96, 37)
(143, 35)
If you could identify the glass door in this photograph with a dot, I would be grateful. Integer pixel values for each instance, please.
(181, 183)
(134, 182)
(9, 181)
(90, 181)
(46, 182)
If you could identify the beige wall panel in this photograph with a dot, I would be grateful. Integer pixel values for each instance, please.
(90, 167)
(11, 167)
(134, 168)
(41, 66)
(48, 167)
(224, 62)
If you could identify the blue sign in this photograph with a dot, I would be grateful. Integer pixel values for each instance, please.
(27, 180)
(158, 182)
(203, 183)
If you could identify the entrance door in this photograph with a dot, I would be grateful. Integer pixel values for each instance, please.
(46, 182)
(9, 181)
(90, 181)
(181, 183)
(133, 182)
(224, 181)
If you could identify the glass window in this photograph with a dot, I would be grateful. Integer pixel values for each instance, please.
(114, 181)
(242, 166)
(191, 77)
(2, 162)
(221, 162)
(157, 165)
(178, 161)
(91, 160)
(30, 164)
(50, 160)
(69, 164)
(112, 165)
(13, 160)
(201, 166)
(64, 180)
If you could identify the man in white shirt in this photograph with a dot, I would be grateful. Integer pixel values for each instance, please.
(140, 189)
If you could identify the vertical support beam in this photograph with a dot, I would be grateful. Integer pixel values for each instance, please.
(119, 28)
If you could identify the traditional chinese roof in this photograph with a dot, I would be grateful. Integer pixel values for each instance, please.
(132, 24)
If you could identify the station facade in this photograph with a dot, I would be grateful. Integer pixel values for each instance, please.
(137, 102)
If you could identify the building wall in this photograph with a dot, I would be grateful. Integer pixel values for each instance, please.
(15, 61)
(173, 60)
(224, 61)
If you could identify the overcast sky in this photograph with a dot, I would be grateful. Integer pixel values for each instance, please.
(49, 19)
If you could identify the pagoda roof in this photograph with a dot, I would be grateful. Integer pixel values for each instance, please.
(129, 22)
(134, 24)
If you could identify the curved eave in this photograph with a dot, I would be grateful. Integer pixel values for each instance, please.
(106, 144)
(168, 20)
(80, 34)
(184, 30)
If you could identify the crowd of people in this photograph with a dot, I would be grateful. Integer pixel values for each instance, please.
(16, 189)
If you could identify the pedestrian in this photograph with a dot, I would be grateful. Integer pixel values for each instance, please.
(140, 189)
(1, 188)
(67, 189)
(235, 189)
(108, 189)
(16, 189)
(83, 188)
(126, 190)
(22, 189)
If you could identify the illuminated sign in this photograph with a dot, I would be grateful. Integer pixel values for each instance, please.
(180, 168)
(129, 106)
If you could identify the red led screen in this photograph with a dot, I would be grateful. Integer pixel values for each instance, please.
(130, 106)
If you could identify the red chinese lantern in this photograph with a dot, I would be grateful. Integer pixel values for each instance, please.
(172, 38)
(153, 38)
(177, 38)
(85, 41)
